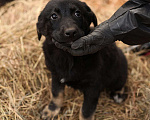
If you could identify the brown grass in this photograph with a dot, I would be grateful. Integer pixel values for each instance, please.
(25, 82)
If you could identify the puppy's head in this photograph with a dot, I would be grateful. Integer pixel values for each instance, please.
(65, 20)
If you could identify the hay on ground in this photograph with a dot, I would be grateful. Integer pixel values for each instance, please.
(25, 82)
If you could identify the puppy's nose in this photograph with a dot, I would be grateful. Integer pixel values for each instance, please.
(70, 32)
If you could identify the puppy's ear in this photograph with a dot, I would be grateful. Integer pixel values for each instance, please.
(94, 19)
(38, 31)
(42, 26)
(38, 24)
(91, 15)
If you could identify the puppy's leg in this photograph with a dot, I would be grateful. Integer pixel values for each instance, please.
(53, 108)
(89, 105)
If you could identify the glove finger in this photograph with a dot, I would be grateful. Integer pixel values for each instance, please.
(94, 49)
(83, 42)
(78, 44)
(89, 50)
(78, 52)
(60, 46)
(94, 38)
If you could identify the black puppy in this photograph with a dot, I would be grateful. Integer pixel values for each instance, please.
(66, 21)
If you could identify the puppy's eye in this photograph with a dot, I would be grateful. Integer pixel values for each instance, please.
(54, 16)
(78, 13)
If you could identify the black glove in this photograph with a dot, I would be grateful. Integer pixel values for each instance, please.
(91, 43)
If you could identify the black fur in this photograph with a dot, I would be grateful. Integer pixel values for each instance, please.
(91, 74)
(3, 2)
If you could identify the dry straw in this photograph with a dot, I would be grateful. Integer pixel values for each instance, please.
(25, 82)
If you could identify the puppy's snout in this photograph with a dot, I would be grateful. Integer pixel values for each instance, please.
(70, 32)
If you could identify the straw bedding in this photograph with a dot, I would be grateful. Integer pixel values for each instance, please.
(25, 81)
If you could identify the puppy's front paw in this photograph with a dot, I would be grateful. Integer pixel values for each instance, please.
(49, 113)
(51, 110)
(81, 116)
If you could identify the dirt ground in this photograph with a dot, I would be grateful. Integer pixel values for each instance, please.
(25, 82)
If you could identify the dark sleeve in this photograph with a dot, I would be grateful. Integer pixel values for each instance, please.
(131, 22)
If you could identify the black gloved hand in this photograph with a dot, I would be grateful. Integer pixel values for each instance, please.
(91, 43)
